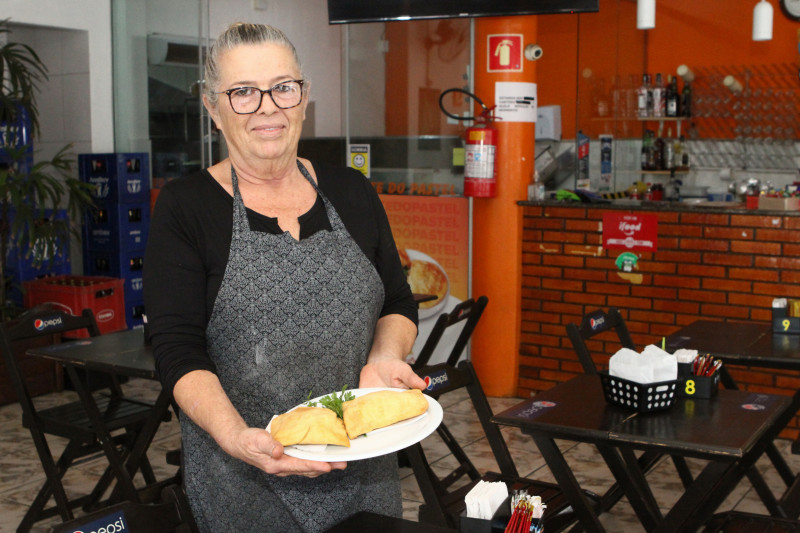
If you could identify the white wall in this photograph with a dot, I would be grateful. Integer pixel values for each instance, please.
(61, 55)
(305, 22)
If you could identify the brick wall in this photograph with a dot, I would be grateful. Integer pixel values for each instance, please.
(709, 264)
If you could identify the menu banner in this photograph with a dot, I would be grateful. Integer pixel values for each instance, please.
(432, 237)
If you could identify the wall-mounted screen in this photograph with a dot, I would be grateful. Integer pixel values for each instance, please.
(349, 11)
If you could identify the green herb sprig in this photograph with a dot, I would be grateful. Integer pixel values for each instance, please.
(333, 401)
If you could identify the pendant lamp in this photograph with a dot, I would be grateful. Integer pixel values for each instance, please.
(645, 14)
(762, 21)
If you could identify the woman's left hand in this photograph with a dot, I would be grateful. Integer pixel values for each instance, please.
(390, 372)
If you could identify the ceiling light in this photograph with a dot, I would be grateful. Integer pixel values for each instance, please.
(645, 14)
(762, 21)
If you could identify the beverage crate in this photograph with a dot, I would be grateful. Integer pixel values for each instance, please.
(118, 178)
(19, 265)
(115, 263)
(103, 295)
(119, 226)
(134, 312)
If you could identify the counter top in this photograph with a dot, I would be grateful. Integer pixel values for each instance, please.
(644, 205)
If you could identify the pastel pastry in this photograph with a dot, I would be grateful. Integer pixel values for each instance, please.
(309, 425)
(380, 409)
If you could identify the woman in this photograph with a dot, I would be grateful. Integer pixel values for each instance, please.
(269, 278)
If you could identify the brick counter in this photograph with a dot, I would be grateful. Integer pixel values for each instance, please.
(711, 263)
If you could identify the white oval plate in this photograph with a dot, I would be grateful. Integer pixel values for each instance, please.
(375, 443)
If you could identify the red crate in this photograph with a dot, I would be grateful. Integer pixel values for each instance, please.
(103, 295)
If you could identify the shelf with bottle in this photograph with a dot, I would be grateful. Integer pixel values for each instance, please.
(665, 172)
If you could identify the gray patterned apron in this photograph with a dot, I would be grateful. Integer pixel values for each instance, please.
(291, 317)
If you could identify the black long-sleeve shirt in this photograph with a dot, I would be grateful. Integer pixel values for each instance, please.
(187, 252)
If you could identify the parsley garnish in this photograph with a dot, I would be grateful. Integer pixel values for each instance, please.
(332, 401)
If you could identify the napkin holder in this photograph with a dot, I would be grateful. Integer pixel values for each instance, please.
(641, 397)
(783, 323)
(497, 524)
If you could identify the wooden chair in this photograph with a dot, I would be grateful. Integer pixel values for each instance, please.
(172, 515)
(593, 325)
(740, 522)
(444, 496)
(467, 312)
(70, 421)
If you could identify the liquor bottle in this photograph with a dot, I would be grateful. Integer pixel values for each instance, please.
(651, 151)
(645, 149)
(677, 151)
(668, 156)
(659, 100)
(672, 96)
(644, 97)
(686, 100)
(658, 154)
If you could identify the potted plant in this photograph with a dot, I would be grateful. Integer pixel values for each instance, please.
(31, 194)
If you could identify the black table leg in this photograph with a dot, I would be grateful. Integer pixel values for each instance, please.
(625, 468)
(566, 480)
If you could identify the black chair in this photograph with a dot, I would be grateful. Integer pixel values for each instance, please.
(172, 515)
(740, 522)
(601, 326)
(469, 312)
(71, 421)
(444, 496)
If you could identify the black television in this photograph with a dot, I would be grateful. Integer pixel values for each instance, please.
(351, 11)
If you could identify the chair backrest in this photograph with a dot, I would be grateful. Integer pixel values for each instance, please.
(592, 325)
(172, 515)
(469, 312)
(38, 322)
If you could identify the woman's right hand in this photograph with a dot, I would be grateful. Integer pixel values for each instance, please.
(257, 447)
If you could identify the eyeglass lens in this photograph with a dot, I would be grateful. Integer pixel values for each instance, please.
(246, 100)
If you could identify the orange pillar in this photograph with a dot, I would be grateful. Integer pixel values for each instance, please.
(497, 222)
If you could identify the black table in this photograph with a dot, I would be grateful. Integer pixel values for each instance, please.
(739, 343)
(121, 354)
(750, 344)
(576, 411)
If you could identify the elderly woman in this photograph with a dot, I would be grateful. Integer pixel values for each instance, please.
(268, 277)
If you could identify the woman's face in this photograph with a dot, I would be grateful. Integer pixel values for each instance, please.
(270, 133)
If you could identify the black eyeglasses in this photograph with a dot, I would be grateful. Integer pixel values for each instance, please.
(247, 100)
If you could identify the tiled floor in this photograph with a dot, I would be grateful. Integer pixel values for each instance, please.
(21, 475)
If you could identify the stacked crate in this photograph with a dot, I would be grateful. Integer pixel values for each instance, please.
(19, 263)
(115, 234)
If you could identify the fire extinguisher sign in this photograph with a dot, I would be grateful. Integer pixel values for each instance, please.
(504, 52)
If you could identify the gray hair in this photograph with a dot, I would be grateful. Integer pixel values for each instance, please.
(238, 34)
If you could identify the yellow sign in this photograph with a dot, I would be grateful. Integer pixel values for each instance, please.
(359, 158)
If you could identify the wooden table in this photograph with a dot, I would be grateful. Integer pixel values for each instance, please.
(751, 344)
(576, 411)
(121, 354)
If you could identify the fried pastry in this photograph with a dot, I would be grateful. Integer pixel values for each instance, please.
(309, 425)
(380, 409)
(427, 278)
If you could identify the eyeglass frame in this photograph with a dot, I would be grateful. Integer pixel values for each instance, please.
(261, 95)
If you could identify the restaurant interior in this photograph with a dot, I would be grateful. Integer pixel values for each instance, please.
(714, 270)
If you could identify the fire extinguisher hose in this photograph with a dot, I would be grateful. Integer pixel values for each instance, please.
(484, 116)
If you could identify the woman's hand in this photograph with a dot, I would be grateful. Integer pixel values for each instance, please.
(257, 447)
(390, 372)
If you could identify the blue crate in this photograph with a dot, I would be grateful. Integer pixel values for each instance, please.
(134, 311)
(20, 131)
(121, 227)
(118, 178)
(19, 266)
(115, 263)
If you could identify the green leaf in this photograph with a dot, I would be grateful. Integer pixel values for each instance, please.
(333, 401)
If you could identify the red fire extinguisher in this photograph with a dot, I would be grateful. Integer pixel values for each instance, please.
(480, 179)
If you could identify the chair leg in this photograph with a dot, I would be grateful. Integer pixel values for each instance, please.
(54, 472)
